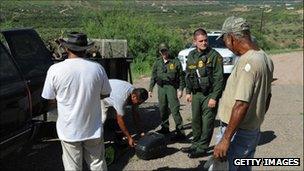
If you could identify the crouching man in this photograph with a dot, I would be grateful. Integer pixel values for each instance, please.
(113, 108)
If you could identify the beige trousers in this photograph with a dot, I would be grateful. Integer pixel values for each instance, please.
(91, 150)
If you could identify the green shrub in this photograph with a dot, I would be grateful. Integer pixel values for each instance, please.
(142, 33)
(263, 42)
(6, 25)
(293, 45)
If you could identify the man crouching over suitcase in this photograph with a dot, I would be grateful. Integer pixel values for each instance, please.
(113, 107)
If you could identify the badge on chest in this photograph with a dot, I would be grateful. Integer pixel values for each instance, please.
(171, 66)
(201, 64)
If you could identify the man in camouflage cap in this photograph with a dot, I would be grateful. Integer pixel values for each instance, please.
(234, 25)
(167, 73)
(246, 97)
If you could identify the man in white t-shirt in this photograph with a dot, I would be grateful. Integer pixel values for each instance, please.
(124, 94)
(78, 84)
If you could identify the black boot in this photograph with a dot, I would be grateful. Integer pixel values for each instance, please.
(197, 154)
(188, 149)
(179, 135)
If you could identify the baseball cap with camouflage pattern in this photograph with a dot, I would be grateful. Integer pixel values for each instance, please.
(234, 25)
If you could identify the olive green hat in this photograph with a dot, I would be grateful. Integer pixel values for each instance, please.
(163, 46)
(234, 25)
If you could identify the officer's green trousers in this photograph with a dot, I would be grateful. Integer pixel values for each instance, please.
(202, 121)
(167, 98)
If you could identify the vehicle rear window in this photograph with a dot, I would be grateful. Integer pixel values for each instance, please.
(29, 52)
(30, 56)
(8, 72)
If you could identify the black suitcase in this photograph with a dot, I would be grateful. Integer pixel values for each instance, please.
(151, 146)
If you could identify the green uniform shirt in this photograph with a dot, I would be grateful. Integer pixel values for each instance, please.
(171, 71)
(250, 81)
(204, 70)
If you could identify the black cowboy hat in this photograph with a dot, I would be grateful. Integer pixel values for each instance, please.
(77, 42)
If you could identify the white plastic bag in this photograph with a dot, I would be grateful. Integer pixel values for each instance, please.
(216, 165)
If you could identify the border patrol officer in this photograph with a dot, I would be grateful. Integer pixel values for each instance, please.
(204, 85)
(168, 75)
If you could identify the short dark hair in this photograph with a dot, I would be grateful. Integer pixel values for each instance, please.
(141, 93)
(199, 31)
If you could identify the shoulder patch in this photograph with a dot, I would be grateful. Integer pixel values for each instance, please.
(219, 59)
(247, 67)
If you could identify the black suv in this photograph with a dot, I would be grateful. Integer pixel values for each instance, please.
(23, 66)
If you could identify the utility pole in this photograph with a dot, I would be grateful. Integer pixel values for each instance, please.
(262, 19)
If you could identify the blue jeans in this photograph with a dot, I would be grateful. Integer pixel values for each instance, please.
(243, 145)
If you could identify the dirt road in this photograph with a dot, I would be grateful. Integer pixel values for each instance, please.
(282, 130)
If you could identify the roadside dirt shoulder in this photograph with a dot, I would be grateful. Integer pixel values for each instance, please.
(288, 68)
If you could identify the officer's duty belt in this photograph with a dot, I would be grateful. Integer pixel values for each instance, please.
(166, 82)
(205, 93)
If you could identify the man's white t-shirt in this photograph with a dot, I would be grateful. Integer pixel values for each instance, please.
(118, 97)
(77, 84)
